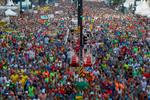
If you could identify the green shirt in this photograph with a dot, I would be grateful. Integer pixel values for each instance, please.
(63, 82)
(103, 66)
(135, 49)
(46, 79)
(5, 67)
(51, 58)
(52, 74)
(135, 73)
(31, 91)
(126, 66)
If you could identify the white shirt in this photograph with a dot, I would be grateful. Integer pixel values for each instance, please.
(5, 79)
(1, 79)
(96, 72)
(69, 54)
(116, 50)
(119, 91)
(31, 54)
(59, 64)
(15, 65)
(76, 76)
(29, 45)
(148, 92)
(46, 40)
(144, 84)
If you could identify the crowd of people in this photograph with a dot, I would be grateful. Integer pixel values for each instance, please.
(35, 59)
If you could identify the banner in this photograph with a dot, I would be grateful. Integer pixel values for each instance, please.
(44, 17)
(46, 8)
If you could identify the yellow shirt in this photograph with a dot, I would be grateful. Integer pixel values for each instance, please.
(14, 78)
(25, 77)
(23, 80)
(91, 27)
(79, 97)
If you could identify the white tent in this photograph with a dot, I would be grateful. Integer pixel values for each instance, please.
(128, 3)
(143, 9)
(10, 3)
(9, 12)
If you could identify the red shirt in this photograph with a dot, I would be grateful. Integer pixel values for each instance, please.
(1, 65)
(147, 75)
(62, 91)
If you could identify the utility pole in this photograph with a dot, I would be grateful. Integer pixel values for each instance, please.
(80, 27)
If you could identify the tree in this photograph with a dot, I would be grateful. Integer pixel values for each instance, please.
(16, 1)
(42, 2)
(117, 2)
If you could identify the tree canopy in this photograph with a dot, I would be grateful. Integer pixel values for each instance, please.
(116, 2)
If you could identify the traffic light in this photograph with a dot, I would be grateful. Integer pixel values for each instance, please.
(85, 40)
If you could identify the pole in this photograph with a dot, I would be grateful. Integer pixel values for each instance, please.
(31, 3)
(80, 13)
(20, 5)
(134, 7)
(38, 2)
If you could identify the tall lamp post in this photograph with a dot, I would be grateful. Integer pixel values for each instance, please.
(80, 13)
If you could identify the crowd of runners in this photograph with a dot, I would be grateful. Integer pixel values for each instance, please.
(36, 57)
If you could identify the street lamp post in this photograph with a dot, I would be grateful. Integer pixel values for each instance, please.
(80, 13)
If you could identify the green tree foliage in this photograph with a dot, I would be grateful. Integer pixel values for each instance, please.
(117, 2)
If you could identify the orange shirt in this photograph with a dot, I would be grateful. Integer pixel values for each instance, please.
(46, 74)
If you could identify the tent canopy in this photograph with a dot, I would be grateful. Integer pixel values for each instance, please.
(128, 3)
(143, 9)
(10, 3)
(9, 12)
